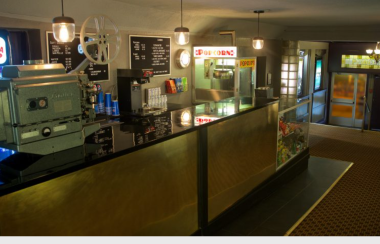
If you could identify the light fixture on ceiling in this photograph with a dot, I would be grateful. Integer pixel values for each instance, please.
(258, 42)
(181, 34)
(63, 28)
(375, 54)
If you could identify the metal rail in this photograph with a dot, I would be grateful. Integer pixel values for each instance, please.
(366, 108)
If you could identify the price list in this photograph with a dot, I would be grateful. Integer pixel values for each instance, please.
(71, 55)
(150, 53)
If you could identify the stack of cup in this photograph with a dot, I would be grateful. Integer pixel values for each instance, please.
(99, 107)
(115, 108)
(100, 103)
(108, 103)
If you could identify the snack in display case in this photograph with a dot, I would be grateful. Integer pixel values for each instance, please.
(292, 133)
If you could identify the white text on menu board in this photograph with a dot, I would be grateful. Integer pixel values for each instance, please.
(136, 46)
(159, 55)
(56, 50)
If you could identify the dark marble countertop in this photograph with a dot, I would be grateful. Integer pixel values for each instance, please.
(118, 136)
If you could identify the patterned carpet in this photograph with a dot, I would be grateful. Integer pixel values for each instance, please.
(352, 208)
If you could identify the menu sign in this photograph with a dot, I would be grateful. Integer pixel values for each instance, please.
(150, 52)
(70, 54)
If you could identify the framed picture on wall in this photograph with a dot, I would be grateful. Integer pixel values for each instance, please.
(318, 74)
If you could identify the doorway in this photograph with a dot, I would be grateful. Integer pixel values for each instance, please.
(375, 110)
(346, 105)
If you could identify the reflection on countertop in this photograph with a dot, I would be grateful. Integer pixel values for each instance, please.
(120, 135)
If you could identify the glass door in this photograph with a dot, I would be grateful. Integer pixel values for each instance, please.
(347, 91)
(359, 104)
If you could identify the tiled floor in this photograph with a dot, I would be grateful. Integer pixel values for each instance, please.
(278, 213)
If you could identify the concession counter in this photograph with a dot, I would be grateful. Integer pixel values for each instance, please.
(180, 171)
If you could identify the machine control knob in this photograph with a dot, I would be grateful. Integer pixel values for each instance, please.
(46, 131)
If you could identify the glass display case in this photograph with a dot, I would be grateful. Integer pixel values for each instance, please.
(293, 129)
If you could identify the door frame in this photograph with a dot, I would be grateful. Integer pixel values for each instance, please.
(340, 121)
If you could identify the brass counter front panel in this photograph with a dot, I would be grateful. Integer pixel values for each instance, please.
(241, 155)
(152, 191)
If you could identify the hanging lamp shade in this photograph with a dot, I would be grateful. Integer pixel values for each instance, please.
(181, 34)
(63, 28)
(258, 42)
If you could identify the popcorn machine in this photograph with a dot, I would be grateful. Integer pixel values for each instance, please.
(220, 76)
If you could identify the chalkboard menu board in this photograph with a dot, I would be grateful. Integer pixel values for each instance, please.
(70, 55)
(150, 52)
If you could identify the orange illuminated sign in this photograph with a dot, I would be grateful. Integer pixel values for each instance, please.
(245, 63)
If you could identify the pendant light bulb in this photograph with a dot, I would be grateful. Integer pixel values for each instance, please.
(181, 38)
(64, 33)
(181, 34)
(63, 28)
(377, 50)
(258, 42)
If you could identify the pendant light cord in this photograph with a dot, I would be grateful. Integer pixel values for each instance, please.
(62, 7)
(181, 13)
(258, 24)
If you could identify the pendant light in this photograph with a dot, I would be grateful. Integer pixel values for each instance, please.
(375, 54)
(181, 34)
(63, 28)
(258, 42)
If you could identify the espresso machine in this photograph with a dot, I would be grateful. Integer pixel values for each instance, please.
(129, 89)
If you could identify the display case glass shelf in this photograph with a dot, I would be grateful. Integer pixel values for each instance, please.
(293, 129)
